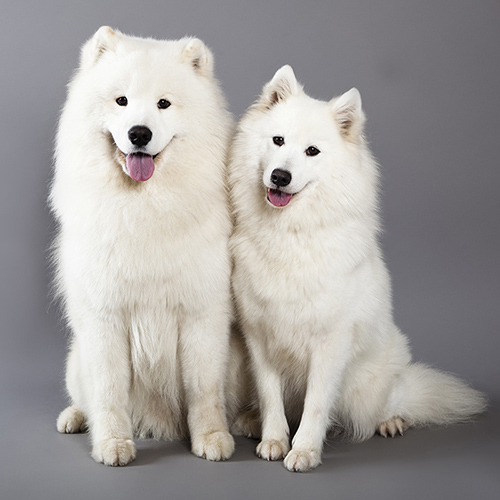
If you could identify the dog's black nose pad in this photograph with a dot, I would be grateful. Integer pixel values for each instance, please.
(139, 135)
(280, 177)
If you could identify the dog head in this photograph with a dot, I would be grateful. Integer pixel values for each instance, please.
(302, 140)
(136, 93)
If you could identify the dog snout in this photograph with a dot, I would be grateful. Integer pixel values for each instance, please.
(139, 135)
(281, 178)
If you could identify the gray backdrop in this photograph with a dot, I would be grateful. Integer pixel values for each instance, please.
(429, 75)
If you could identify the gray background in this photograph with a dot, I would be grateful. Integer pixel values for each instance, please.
(429, 74)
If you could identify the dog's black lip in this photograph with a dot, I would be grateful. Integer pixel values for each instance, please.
(139, 153)
(280, 190)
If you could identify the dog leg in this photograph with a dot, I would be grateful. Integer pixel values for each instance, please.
(105, 371)
(275, 442)
(323, 387)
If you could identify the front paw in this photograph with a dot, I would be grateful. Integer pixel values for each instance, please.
(273, 449)
(114, 451)
(214, 446)
(302, 460)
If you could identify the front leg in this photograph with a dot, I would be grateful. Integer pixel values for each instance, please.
(204, 355)
(329, 358)
(104, 372)
(275, 442)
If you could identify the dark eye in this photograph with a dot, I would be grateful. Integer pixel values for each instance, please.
(122, 101)
(312, 151)
(278, 140)
(163, 104)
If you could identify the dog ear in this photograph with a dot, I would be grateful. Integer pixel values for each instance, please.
(349, 115)
(105, 39)
(283, 85)
(199, 56)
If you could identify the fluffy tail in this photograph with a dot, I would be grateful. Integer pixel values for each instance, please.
(428, 396)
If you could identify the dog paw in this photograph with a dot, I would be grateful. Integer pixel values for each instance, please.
(392, 427)
(71, 420)
(302, 460)
(272, 449)
(114, 451)
(247, 424)
(214, 446)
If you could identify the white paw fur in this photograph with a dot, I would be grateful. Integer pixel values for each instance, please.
(214, 446)
(272, 449)
(114, 451)
(302, 460)
(71, 420)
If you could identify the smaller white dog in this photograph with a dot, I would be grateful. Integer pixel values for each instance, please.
(312, 291)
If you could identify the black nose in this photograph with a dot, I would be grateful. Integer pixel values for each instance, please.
(281, 177)
(139, 135)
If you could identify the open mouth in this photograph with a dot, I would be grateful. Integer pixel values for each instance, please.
(138, 165)
(278, 198)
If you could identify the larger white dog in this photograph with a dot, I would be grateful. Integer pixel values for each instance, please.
(142, 254)
(312, 290)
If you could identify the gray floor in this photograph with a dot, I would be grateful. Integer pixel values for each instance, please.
(459, 462)
(429, 77)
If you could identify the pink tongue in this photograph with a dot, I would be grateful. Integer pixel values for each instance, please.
(140, 166)
(278, 198)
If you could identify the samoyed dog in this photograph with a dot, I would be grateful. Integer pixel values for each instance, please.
(312, 292)
(142, 258)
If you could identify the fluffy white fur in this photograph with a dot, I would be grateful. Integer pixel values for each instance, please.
(143, 268)
(312, 292)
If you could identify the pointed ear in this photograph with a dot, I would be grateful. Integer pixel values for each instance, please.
(349, 115)
(199, 56)
(283, 85)
(105, 39)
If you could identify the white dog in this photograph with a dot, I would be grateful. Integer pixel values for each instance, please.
(312, 291)
(142, 256)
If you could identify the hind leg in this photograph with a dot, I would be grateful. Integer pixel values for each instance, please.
(71, 420)
(374, 407)
(391, 427)
(369, 404)
(247, 424)
(371, 399)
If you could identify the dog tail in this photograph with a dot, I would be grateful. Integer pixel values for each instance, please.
(428, 396)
